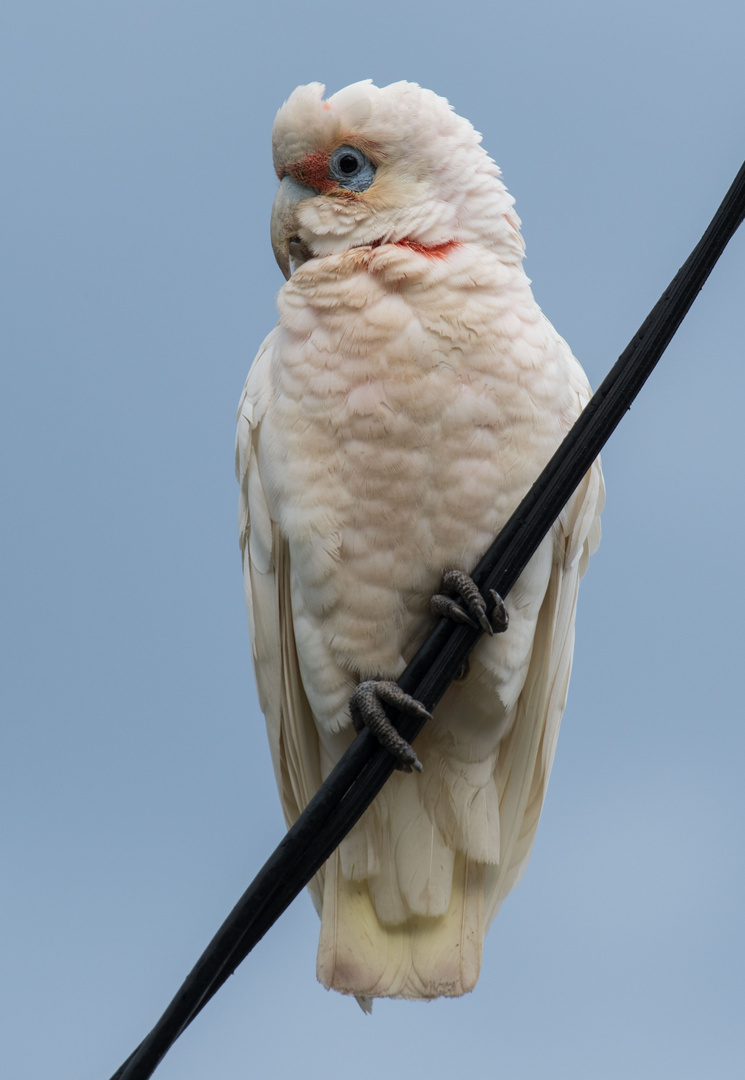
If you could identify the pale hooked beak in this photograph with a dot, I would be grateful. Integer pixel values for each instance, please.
(289, 251)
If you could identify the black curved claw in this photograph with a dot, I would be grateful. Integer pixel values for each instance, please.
(499, 618)
(366, 709)
(455, 583)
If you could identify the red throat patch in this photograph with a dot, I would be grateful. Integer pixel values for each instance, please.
(433, 251)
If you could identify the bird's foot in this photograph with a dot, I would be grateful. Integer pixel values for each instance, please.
(366, 708)
(455, 583)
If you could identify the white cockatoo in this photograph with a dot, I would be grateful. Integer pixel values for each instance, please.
(409, 396)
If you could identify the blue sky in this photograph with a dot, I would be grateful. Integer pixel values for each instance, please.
(136, 789)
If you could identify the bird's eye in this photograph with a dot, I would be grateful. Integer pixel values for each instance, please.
(350, 168)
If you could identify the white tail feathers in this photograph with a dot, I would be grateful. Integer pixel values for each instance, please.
(423, 957)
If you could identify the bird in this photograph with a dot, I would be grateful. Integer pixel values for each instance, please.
(408, 397)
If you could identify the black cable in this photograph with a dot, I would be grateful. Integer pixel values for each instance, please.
(366, 766)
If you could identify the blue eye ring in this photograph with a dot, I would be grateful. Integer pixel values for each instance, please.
(351, 169)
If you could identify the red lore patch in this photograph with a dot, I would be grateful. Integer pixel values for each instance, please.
(313, 171)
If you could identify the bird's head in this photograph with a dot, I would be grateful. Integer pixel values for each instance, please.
(378, 166)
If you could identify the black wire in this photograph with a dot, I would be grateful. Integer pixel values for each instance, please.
(366, 766)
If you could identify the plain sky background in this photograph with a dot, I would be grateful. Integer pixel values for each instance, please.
(137, 793)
